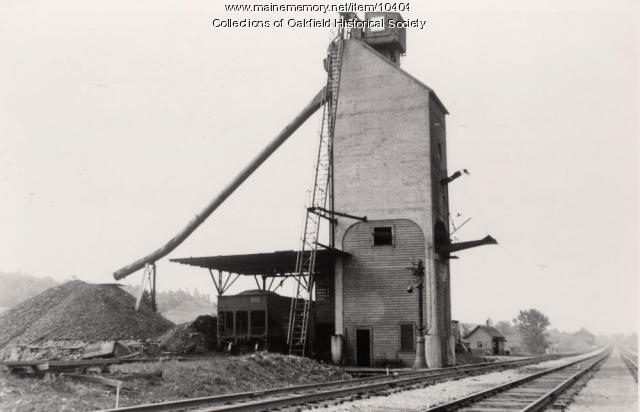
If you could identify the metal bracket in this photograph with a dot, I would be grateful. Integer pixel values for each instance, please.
(148, 277)
(327, 214)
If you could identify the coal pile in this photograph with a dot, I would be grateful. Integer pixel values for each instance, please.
(79, 311)
(191, 337)
(182, 339)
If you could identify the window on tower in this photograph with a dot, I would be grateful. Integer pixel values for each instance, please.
(382, 236)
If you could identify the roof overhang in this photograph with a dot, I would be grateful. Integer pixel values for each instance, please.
(280, 263)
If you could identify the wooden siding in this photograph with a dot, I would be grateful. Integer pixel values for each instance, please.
(375, 287)
(389, 157)
(381, 143)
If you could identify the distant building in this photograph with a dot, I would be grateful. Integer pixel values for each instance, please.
(485, 339)
(585, 336)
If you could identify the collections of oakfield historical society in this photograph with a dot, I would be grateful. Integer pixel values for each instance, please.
(373, 24)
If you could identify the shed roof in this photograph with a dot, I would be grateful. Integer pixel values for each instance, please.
(280, 263)
(489, 330)
(256, 292)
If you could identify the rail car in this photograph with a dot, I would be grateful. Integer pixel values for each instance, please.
(253, 319)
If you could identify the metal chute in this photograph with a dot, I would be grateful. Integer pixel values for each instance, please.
(174, 242)
(455, 247)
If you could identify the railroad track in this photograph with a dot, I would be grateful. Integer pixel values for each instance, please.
(553, 387)
(307, 394)
(630, 359)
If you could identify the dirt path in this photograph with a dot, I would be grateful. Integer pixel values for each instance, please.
(611, 389)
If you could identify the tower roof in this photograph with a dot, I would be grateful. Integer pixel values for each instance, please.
(405, 73)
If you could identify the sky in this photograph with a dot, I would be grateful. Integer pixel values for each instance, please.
(120, 120)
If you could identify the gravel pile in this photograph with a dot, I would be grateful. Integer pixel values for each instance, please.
(79, 311)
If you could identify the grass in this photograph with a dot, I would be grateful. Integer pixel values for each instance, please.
(204, 376)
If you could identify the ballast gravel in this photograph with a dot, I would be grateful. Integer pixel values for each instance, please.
(430, 396)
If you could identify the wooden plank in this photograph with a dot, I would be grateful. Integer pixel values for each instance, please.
(129, 356)
(99, 349)
(22, 363)
(62, 364)
(140, 375)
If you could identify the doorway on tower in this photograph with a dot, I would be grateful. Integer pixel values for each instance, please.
(363, 347)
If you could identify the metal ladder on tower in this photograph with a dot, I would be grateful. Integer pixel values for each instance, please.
(301, 305)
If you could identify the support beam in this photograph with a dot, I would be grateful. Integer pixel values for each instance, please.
(279, 285)
(152, 273)
(432, 340)
(148, 276)
(329, 214)
(228, 283)
(271, 283)
(213, 278)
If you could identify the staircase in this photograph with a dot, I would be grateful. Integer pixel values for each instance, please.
(301, 305)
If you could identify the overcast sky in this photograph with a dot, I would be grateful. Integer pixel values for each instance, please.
(119, 120)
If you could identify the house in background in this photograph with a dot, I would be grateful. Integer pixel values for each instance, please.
(484, 339)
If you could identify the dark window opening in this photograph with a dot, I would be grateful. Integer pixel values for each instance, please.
(226, 323)
(407, 338)
(258, 322)
(382, 236)
(242, 323)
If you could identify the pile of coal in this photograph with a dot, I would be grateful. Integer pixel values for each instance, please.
(182, 339)
(79, 311)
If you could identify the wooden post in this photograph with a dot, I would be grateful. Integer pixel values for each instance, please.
(152, 273)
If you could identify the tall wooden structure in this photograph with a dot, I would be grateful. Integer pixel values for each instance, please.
(382, 183)
(390, 155)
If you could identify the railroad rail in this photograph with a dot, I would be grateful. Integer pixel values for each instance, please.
(532, 393)
(630, 358)
(309, 393)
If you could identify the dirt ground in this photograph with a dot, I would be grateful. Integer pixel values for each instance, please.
(180, 379)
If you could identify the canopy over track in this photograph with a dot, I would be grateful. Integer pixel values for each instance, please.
(275, 264)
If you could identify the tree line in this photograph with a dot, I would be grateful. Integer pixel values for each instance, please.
(529, 333)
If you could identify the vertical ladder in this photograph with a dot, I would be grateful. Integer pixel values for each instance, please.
(300, 314)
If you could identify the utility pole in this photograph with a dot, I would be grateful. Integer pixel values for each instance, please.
(418, 273)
